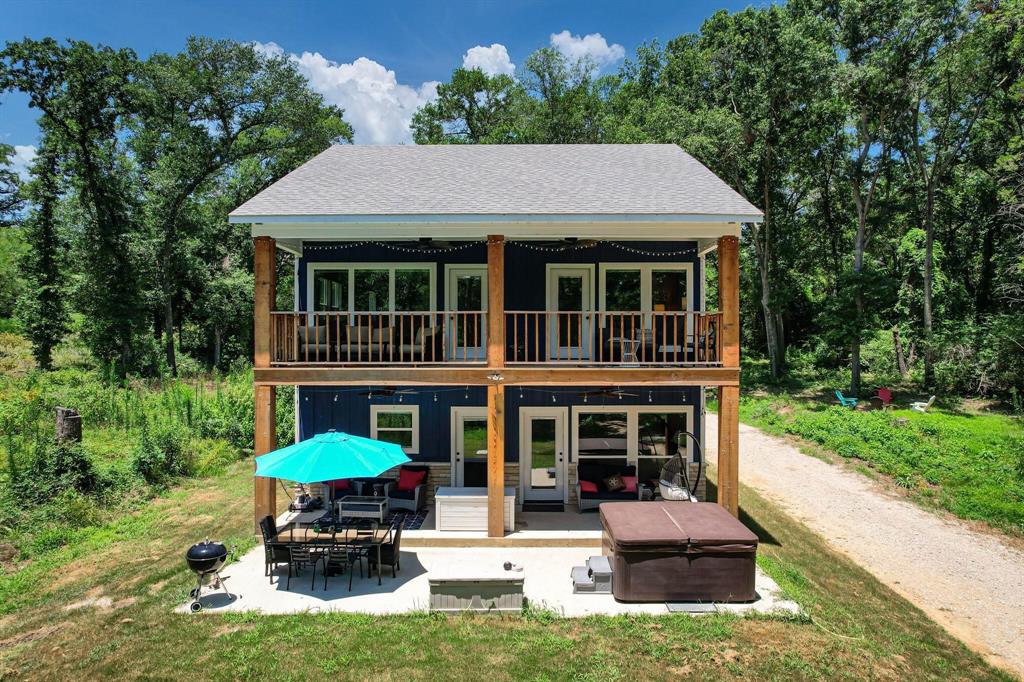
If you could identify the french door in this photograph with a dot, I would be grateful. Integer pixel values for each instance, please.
(543, 449)
(469, 447)
(466, 290)
(570, 295)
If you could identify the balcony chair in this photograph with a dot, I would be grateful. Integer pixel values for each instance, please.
(594, 473)
(313, 344)
(363, 343)
(422, 345)
(410, 492)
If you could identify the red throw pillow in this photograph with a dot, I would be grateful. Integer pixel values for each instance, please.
(409, 479)
(630, 482)
(588, 487)
(341, 484)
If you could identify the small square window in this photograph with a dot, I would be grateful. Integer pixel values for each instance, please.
(399, 424)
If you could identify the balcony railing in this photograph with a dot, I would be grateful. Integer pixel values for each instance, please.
(532, 337)
(613, 338)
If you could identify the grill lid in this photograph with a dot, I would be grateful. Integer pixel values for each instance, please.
(206, 550)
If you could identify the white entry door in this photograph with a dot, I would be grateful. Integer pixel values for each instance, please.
(469, 447)
(570, 299)
(466, 290)
(543, 448)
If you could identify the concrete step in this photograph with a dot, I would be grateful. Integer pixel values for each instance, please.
(581, 580)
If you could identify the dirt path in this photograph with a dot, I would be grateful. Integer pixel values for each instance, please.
(972, 583)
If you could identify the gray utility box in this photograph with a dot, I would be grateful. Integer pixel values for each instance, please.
(465, 589)
(594, 578)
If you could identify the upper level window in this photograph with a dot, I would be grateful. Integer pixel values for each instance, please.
(646, 287)
(373, 287)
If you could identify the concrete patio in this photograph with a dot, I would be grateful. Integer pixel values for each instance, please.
(547, 585)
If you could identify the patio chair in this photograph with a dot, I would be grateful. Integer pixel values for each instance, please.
(341, 556)
(300, 555)
(844, 401)
(921, 406)
(409, 499)
(884, 395)
(274, 553)
(390, 551)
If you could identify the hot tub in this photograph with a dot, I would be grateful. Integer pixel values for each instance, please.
(678, 552)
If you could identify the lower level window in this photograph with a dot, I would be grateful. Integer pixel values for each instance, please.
(643, 435)
(399, 424)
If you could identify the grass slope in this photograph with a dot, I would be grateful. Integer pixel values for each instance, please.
(970, 464)
(101, 607)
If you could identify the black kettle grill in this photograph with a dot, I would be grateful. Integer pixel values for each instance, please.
(206, 558)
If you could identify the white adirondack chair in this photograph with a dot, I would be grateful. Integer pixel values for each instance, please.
(922, 407)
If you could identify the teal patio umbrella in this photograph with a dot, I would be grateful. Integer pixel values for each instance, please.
(329, 456)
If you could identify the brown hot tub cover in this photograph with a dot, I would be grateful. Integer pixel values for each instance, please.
(678, 551)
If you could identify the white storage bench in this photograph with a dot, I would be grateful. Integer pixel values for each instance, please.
(457, 588)
(466, 508)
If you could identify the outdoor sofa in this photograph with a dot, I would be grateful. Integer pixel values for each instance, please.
(596, 473)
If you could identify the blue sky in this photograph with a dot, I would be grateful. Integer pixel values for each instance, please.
(378, 60)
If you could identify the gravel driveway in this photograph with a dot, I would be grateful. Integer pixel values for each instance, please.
(971, 582)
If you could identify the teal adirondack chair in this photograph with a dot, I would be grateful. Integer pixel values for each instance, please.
(844, 401)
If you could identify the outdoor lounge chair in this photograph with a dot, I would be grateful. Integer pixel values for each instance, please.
(922, 407)
(410, 500)
(844, 401)
(390, 551)
(595, 473)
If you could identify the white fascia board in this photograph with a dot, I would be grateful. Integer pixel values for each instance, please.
(618, 229)
(706, 246)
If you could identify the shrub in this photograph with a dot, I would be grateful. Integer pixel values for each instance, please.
(163, 452)
(54, 468)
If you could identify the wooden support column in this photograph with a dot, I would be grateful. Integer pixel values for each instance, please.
(729, 396)
(265, 494)
(495, 391)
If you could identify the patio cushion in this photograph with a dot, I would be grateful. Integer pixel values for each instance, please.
(622, 495)
(588, 487)
(399, 494)
(614, 483)
(408, 479)
(340, 484)
(630, 483)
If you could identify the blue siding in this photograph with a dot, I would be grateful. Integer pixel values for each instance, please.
(322, 408)
(525, 269)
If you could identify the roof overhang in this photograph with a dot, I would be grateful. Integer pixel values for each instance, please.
(465, 226)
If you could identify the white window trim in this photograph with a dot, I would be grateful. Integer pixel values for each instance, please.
(311, 269)
(414, 448)
(646, 278)
(632, 413)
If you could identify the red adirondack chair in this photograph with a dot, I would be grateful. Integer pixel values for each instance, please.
(885, 395)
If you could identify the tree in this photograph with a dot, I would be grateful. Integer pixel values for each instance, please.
(82, 92)
(199, 114)
(10, 188)
(43, 308)
(473, 108)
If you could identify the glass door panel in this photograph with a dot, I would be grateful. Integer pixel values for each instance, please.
(467, 296)
(469, 447)
(569, 301)
(543, 451)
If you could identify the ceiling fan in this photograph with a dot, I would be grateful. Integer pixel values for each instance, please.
(607, 393)
(386, 392)
(567, 243)
(426, 244)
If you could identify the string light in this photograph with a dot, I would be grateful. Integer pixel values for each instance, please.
(569, 246)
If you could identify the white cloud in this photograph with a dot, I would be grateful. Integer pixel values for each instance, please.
(22, 158)
(592, 45)
(379, 108)
(491, 60)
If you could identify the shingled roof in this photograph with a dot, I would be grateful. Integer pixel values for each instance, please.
(492, 180)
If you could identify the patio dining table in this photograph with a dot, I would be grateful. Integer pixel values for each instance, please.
(323, 539)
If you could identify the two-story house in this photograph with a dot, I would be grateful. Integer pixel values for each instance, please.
(507, 313)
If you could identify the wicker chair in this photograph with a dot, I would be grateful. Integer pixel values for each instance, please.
(274, 553)
(390, 552)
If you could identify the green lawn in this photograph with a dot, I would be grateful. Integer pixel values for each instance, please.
(971, 464)
(127, 576)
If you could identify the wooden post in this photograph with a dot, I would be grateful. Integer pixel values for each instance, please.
(265, 494)
(729, 396)
(496, 391)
